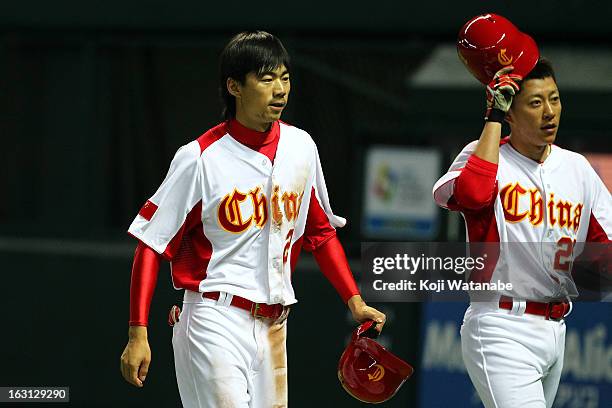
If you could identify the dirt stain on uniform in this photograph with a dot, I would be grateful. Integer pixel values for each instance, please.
(224, 401)
(277, 335)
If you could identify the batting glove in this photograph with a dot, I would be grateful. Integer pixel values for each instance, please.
(500, 92)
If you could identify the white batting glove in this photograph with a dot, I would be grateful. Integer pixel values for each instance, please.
(500, 92)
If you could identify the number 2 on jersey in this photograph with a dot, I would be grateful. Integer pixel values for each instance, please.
(563, 256)
(287, 245)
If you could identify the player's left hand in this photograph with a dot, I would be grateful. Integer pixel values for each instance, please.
(362, 312)
(136, 357)
(502, 89)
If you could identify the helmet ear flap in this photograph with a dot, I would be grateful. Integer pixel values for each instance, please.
(490, 42)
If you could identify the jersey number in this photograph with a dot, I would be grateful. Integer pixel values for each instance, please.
(563, 256)
(287, 245)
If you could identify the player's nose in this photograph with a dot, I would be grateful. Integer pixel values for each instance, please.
(280, 88)
(549, 112)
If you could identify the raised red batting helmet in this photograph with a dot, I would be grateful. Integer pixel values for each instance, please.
(369, 372)
(489, 42)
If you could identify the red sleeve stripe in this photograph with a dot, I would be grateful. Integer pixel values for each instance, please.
(147, 210)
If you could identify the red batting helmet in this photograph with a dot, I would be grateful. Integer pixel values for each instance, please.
(368, 371)
(489, 42)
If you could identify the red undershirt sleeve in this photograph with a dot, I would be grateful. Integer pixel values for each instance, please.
(146, 267)
(475, 186)
(320, 238)
(144, 278)
(333, 263)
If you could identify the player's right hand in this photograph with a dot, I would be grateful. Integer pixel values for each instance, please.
(502, 89)
(136, 357)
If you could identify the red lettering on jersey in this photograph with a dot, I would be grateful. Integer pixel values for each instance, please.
(560, 212)
(230, 214)
(509, 196)
(551, 210)
(564, 214)
(287, 245)
(299, 204)
(260, 207)
(577, 215)
(277, 215)
(290, 205)
(536, 212)
(230, 217)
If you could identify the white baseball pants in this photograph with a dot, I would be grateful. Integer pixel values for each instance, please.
(224, 357)
(514, 360)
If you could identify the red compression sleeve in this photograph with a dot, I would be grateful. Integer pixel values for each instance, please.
(318, 229)
(144, 279)
(333, 263)
(475, 186)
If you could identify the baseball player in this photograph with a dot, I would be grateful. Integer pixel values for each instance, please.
(523, 189)
(235, 209)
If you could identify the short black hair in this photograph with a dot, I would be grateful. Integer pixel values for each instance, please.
(248, 51)
(543, 69)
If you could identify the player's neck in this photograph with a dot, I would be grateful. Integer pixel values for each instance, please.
(250, 137)
(534, 152)
(253, 125)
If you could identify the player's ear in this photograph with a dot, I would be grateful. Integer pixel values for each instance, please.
(233, 87)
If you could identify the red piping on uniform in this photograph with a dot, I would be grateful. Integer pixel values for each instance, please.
(212, 135)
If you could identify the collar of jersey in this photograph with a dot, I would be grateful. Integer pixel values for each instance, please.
(250, 137)
(530, 161)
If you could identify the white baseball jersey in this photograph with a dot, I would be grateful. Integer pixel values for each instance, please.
(558, 202)
(245, 215)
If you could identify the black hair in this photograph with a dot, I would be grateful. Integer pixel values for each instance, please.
(248, 51)
(543, 69)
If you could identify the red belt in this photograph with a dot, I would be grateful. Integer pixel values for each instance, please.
(552, 310)
(255, 309)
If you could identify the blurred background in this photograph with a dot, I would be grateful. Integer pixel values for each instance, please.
(96, 97)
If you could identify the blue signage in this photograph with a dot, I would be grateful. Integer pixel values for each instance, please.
(586, 381)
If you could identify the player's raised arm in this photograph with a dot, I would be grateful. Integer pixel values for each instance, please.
(500, 92)
(474, 186)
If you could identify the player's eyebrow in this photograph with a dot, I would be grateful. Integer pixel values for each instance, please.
(541, 95)
(273, 73)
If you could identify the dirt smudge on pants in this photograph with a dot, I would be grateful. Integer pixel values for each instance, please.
(277, 337)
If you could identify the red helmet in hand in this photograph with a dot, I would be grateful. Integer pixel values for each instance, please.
(369, 372)
(490, 42)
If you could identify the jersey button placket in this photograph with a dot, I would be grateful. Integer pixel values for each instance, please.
(547, 232)
(275, 248)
